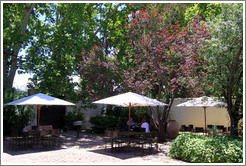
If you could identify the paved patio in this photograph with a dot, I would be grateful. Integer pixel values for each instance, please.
(87, 149)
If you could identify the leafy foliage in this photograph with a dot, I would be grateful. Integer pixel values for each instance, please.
(160, 50)
(73, 116)
(15, 118)
(207, 149)
(116, 117)
(15, 37)
(224, 53)
(153, 49)
(104, 122)
(205, 10)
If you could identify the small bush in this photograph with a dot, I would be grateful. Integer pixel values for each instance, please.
(71, 117)
(207, 149)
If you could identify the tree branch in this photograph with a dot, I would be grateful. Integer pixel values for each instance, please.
(238, 55)
(27, 12)
(108, 18)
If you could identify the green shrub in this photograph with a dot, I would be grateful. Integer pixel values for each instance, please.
(116, 117)
(207, 149)
(213, 131)
(100, 123)
(15, 117)
(71, 117)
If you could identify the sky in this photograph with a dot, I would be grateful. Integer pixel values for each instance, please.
(21, 81)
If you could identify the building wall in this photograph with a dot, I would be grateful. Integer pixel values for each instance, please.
(88, 113)
(183, 115)
(195, 115)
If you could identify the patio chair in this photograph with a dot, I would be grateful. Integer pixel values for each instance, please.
(45, 127)
(45, 133)
(209, 126)
(190, 127)
(46, 143)
(56, 132)
(183, 128)
(143, 144)
(58, 141)
(199, 129)
(112, 140)
(17, 143)
(221, 128)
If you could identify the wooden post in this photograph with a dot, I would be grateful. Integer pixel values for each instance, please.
(205, 119)
(129, 116)
(39, 107)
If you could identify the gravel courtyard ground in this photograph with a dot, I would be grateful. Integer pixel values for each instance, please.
(87, 149)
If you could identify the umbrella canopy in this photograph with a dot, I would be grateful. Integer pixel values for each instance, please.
(39, 100)
(202, 102)
(130, 99)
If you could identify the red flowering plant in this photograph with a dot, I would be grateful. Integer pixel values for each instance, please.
(98, 79)
(162, 57)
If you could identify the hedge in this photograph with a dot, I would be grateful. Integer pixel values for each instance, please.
(207, 149)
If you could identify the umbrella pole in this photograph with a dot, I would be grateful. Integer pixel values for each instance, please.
(129, 117)
(205, 119)
(39, 107)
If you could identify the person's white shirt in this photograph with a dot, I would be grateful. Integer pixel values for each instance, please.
(146, 126)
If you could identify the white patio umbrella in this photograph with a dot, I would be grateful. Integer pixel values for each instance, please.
(202, 102)
(130, 99)
(39, 100)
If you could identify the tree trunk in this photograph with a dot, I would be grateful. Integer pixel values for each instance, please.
(162, 132)
(234, 126)
(10, 70)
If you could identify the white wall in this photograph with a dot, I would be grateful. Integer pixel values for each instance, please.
(183, 115)
(88, 113)
(195, 115)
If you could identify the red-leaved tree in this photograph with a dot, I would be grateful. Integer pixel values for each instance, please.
(163, 56)
(98, 80)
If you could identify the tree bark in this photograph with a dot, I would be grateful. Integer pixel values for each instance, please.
(10, 70)
(161, 131)
(163, 120)
(234, 125)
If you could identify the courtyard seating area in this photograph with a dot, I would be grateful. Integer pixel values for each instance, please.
(88, 148)
(190, 128)
(139, 142)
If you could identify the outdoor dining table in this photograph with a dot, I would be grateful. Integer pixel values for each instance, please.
(131, 140)
(33, 140)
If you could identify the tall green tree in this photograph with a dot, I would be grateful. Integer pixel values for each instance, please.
(16, 18)
(225, 56)
(205, 10)
(60, 37)
(113, 36)
(55, 51)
